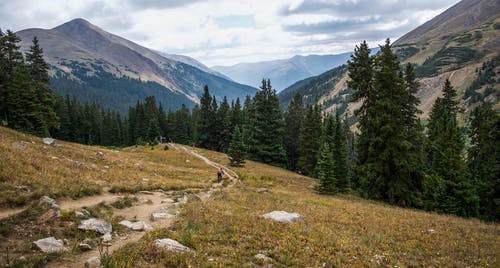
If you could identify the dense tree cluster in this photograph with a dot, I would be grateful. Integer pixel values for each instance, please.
(392, 156)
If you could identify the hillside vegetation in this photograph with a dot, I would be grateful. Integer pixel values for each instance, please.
(227, 229)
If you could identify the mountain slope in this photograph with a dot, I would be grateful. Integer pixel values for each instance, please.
(79, 51)
(282, 73)
(462, 44)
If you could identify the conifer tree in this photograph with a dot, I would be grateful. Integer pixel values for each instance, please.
(451, 191)
(225, 129)
(293, 123)
(339, 152)
(309, 140)
(324, 170)
(484, 160)
(266, 127)
(206, 121)
(237, 149)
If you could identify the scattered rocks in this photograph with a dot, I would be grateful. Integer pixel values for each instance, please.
(50, 244)
(263, 258)
(19, 145)
(45, 200)
(283, 216)
(93, 262)
(136, 226)
(161, 216)
(170, 245)
(49, 141)
(98, 225)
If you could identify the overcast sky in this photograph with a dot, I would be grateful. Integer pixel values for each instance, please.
(225, 32)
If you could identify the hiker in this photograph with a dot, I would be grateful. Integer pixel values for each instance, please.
(219, 175)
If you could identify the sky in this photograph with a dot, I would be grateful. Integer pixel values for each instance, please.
(226, 32)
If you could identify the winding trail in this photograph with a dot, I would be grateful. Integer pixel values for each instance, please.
(157, 201)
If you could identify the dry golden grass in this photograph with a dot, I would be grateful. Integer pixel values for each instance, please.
(340, 231)
(74, 170)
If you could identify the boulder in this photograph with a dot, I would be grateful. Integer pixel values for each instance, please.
(49, 141)
(161, 215)
(98, 225)
(93, 262)
(50, 244)
(170, 245)
(283, 216)
(136, 226)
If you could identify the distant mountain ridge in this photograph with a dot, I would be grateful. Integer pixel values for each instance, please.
(94, 65)
(285, 72)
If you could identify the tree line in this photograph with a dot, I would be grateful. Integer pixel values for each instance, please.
(387, 155)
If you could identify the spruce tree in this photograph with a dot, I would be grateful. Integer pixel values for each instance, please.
(310, 140)
(237, 149)
(446, 165)
(266, 127)
(293, 124)
(339, 151)
(484, 160)
(225, 129)
(324, 170)
(206, 121)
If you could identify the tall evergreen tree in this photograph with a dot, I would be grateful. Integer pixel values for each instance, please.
(293, 124)
(266, 127)
(310, 140)
(484, 160)
(339, 151)
(324, 170)
(446, 164)
(225, 128)
(237, 149)
(206, 124)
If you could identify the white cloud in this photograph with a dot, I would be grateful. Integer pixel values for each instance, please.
(282, 28)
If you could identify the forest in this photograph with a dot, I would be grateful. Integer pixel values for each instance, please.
(388, 155)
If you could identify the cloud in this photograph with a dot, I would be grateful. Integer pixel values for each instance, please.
(163, 4)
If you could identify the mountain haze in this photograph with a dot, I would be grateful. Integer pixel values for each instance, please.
(284, 72)
(94, 65)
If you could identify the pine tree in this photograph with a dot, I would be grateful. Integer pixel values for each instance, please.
(225, 129)
(324, 170)
(266, 127)
(293, 124)
(237, 149)
(309, 140)
(206, 124)
(444, 151)
(339, 151)
(484, 160)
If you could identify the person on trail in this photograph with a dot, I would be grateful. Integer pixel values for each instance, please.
(219, 175)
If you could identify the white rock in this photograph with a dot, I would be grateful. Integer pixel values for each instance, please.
(161, 215)
(168, 200)
(107, 237)
(145, 179)
(93, 262)
(49, 141)
(98, 225)
(50, 244)
(45, 200)
(283, 216)
(262, 257)
(84, 247)
(171, 245)
(106, 167)
(431, 231)
(99, 153)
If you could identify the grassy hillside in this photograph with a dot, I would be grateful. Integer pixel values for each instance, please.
(227, 229)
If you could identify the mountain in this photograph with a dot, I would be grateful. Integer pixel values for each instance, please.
(461, 44)
(282, 72)
(94, 65)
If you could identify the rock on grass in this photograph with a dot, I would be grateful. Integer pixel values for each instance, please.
(50, 244)
(283, 216)
(170, 245)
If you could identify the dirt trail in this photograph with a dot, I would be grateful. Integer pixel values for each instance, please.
(149, 203)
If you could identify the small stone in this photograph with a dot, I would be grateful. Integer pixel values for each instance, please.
(168, 200)
(283, 216)
(99, 153)
(146, 192)
(93, 262)
(431, 231)
(84, 247)
(98, 225)
(50, 244)
(161, 216)
(94, 166)
(90, 241)
(79, 164)
(145, 179)
(45, 200)
(49, 141)
(187, 161)
(262, 190)
(263, 258)
(170, 245)
(190, 198)
(106, 167)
